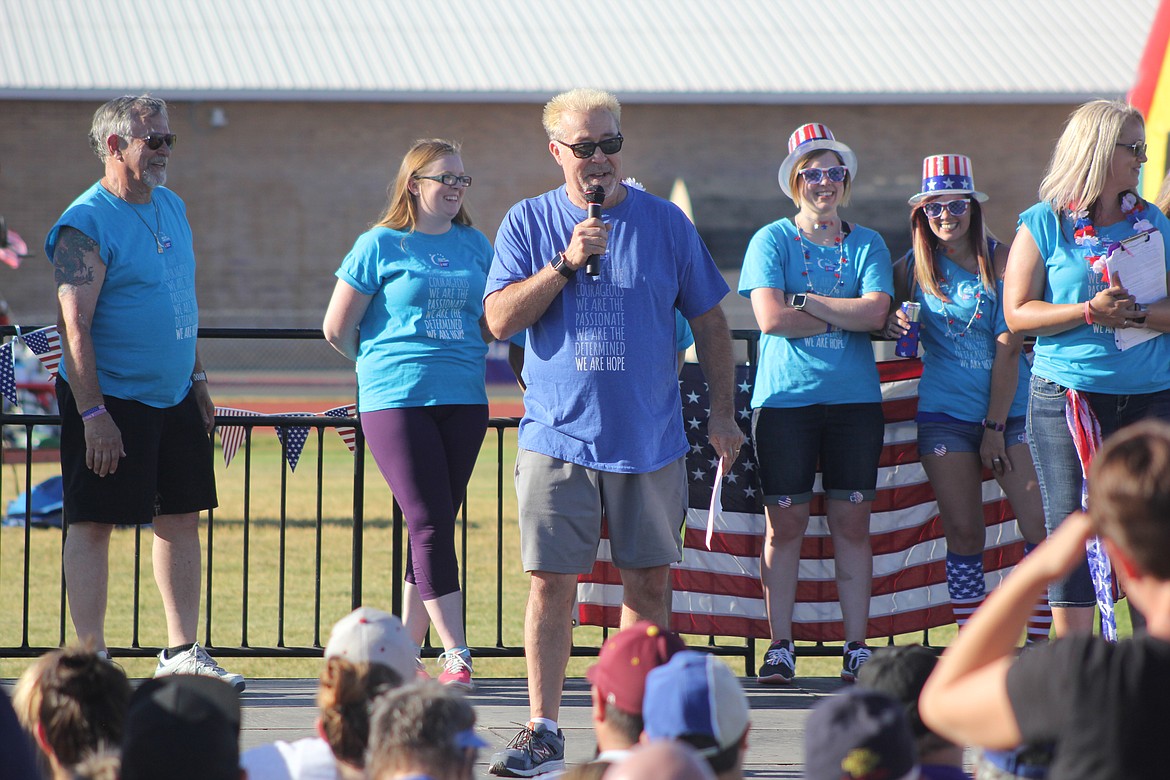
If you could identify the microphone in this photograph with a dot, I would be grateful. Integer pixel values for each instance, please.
(594, 196)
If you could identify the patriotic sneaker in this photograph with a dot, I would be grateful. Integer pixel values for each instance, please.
(856, 654)
(456, 669)
(779, 664)
(533, 751)
(196, 661)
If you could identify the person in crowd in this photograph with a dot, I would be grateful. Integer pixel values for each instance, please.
(408, 309)
(368, 652)
(694, 698)
(1057, 288)
(183, 727)
(423, 730)
(1101, 703)
(818, 286)
(136, 414)
(973, 395)
(900, 672)
(618, 682)
(859, 733)
(72, 702)
(663, 760)
(602, 429)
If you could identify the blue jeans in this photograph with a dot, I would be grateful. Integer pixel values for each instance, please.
(1058, 469)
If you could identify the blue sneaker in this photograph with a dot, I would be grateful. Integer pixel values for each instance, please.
(533, 751)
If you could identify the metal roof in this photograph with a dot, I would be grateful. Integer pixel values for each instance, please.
(685, 51)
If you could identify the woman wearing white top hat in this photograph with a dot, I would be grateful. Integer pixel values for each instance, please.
(973, 395)
(818, 286)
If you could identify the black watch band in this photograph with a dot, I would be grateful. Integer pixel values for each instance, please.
(561, 267)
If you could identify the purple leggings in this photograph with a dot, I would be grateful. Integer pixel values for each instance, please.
(426, 454)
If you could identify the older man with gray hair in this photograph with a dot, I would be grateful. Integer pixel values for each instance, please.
(135, 410)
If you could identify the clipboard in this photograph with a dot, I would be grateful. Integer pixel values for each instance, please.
(1140, 263)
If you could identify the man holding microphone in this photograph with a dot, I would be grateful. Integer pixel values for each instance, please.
(602, 430)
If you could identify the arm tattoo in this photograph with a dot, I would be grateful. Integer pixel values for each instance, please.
(69, 266)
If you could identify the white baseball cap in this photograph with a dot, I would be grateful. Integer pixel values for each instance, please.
(369, 635)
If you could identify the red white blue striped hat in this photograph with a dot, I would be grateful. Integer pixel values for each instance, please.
(947, 174)
(813, 137)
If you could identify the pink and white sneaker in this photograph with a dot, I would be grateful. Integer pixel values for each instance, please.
(456, 672)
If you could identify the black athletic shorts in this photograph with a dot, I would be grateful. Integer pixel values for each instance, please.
(167, 469)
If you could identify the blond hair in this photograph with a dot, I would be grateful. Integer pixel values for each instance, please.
(1083, 156)
(401, 212)
(578, 101)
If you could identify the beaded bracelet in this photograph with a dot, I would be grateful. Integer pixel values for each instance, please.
(992, 425)
(97, 411)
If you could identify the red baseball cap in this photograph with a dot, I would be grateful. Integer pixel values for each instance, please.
(626, 658)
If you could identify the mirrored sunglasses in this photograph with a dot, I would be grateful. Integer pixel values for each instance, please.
(585, 149)
(957, 208)
(815, 175)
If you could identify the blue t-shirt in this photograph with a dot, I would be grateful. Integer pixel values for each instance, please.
(146, 321)
(1086, 357)
(683, 336)
(828, 368)
(600, 363)
(419, 343)
(959, 340)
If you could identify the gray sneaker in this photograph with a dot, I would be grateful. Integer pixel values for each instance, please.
(533, 751)
(196, 661)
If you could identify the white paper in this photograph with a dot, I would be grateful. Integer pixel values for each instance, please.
(716, 509)
(1140, 265)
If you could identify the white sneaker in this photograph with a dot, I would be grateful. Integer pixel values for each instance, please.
(196, 661)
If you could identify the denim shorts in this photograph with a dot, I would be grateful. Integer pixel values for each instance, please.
(845, 439)
(1058, 469)
(939, 436)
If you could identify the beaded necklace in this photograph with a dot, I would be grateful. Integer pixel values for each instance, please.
(949, 318)
(1085, 234)
(842, 261)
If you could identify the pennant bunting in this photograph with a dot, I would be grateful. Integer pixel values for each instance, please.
(8, 374)
(347, 433)
(46, 345)
(297, 436)
(231, 436)
(717, 590)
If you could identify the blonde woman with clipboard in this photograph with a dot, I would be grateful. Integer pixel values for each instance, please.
(1057, 288)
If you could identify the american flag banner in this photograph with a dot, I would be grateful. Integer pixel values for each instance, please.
(347, 433)
(297, 436)
(231, 436)
(718, 591)
(8, 375)
(46, 345)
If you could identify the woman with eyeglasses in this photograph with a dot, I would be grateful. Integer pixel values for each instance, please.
(1087, 362)
(818, 286)
(973, 394)
(408, 308)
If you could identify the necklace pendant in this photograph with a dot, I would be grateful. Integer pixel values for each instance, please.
(159, 247)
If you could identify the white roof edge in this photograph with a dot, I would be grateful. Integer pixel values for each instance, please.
(675, 98)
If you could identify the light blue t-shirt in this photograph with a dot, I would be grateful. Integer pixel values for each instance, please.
(1086, 357)
(600, 363)
(828, 368)
(146, 321)
(419, 343)
(959, 340)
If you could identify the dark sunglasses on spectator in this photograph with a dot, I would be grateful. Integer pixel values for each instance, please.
(154, 140)
(814, 175)
(1138, 148)
(934, 209)
(448, 179)
(585, 149)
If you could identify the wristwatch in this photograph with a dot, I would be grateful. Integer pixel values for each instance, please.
(561, 267)
(799, 300)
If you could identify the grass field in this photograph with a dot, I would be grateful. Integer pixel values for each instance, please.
(282, 527)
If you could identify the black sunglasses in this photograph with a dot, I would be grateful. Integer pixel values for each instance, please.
(585, 149)
(1138, 148)
(154, 140)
